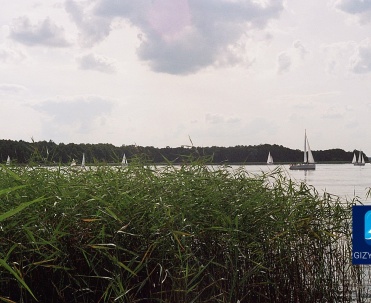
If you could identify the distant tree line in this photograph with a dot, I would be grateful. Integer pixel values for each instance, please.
(48, 152)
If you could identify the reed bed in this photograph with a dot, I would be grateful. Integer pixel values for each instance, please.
(188, 233)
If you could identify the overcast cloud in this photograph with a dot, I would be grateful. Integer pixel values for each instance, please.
(180, 36)
(92, 28)
(358, 7)
(156, 72)
(44, 33)
(95, 62)
(360, 62)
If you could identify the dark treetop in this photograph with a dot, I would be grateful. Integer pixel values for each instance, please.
(44, 152)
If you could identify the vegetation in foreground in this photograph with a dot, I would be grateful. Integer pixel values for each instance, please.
(186, 233)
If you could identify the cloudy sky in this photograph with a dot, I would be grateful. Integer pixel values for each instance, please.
(158, 72)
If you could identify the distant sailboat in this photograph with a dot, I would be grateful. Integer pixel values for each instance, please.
(47, 155)
(8, 161)
(83, 161)
(308, 163)
(270, 158)
(73, 163)
(124, 160)
(360, 161)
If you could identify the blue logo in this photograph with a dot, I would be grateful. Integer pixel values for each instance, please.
(361, 234)
(368, 227)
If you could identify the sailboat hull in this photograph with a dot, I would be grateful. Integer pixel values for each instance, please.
(303, 166)
(358, 164)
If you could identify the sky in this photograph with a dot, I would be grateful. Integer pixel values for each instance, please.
(181, 72)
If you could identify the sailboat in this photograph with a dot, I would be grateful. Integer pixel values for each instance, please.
(270, 158)
(360, 161)
(8, 161)
(124, 161)
(83, 161)
(308, 163)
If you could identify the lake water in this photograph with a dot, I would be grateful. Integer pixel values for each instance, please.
(344, 180)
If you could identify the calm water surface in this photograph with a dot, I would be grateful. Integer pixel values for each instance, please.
(344, 180)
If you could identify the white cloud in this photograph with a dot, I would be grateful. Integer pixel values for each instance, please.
(291, 56)
(11, 55)
(302, 51)
(98, 63)
(93, 29)
(7, 88)
(45, 33)
(336, 56)
(283, 62)
(360, 62)
(359, 8)
(354, 6)
(179, 36)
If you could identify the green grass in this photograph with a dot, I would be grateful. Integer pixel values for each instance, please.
(186, 233)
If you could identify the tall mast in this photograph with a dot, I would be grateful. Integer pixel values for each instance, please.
(305, 147)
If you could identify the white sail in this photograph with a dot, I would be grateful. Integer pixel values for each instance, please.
(310, 155)
(124, 161)
(8, 161)
(360, 157)
(270, 158)
(83, 160)
(360, 161)
(309, 163)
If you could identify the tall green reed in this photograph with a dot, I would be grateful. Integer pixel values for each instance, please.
(188, 233)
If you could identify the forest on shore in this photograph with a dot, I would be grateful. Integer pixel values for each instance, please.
(49, 152)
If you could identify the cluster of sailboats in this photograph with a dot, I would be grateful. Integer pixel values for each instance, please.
(124, 161)
(310, 164)
(307, 164)
(360, 161)
(73, 162)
